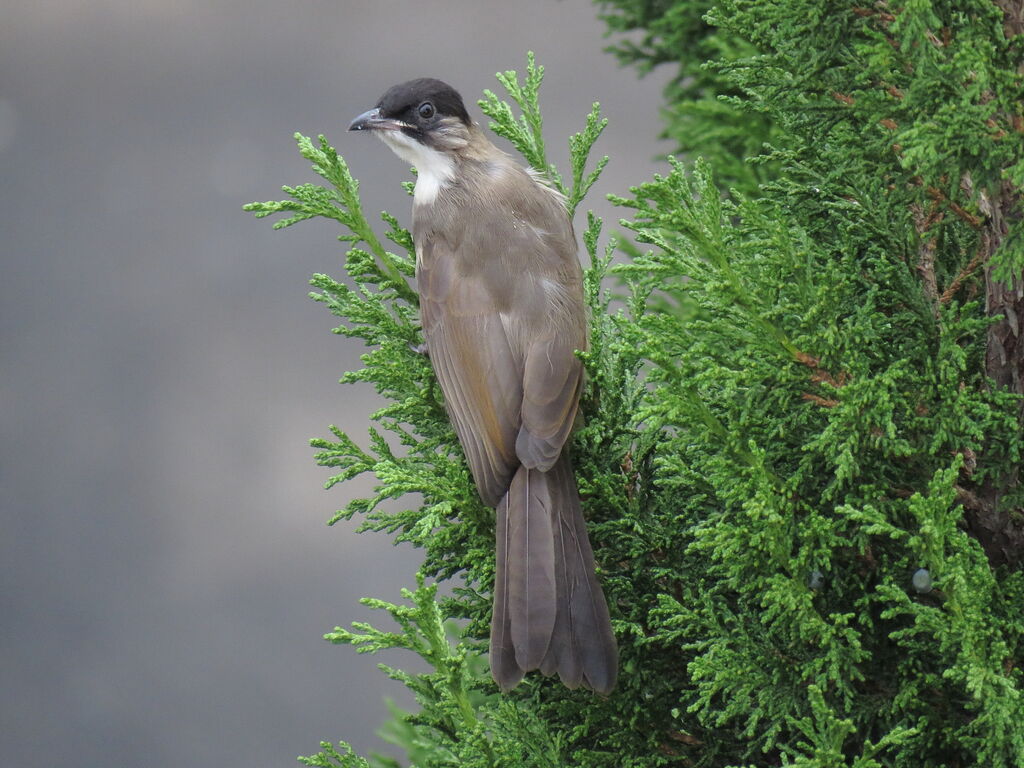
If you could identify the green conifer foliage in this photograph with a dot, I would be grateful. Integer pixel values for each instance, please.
(799, 460)
(842, 381)
(700, 117)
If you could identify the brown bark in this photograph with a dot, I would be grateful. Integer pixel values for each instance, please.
(1013, 19)
(1004, 359)
(998, 528)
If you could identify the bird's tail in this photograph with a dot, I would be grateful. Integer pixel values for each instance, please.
(549, 611)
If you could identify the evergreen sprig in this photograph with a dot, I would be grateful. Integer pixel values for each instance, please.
(341, 203)
(526, 132)
(704, 112)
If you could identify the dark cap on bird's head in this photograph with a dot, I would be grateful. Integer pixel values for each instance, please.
(414, 107)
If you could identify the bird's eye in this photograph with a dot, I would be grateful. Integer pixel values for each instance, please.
(426, 110)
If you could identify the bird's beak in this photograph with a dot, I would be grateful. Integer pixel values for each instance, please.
(372, 121)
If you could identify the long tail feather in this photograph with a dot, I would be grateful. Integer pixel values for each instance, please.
(549, 610)
(531, 567)
(506, 672)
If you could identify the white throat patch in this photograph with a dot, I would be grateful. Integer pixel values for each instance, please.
(433, 169)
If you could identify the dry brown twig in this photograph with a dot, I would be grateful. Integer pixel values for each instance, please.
(958, 281)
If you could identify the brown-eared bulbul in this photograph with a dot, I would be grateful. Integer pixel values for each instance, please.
(501, 303)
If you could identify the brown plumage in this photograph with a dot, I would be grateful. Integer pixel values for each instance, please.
(501, 302)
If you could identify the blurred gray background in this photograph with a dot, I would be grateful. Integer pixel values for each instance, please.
(165, 571)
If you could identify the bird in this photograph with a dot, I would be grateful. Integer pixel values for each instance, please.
(503, 313)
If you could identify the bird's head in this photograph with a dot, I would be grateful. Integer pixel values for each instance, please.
(423, 121)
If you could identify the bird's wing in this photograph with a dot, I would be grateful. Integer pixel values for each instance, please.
(471, 355)
(552, 374)
(502, 309)
(552, 379)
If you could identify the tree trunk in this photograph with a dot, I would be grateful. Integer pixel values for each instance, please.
(1000, 529)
